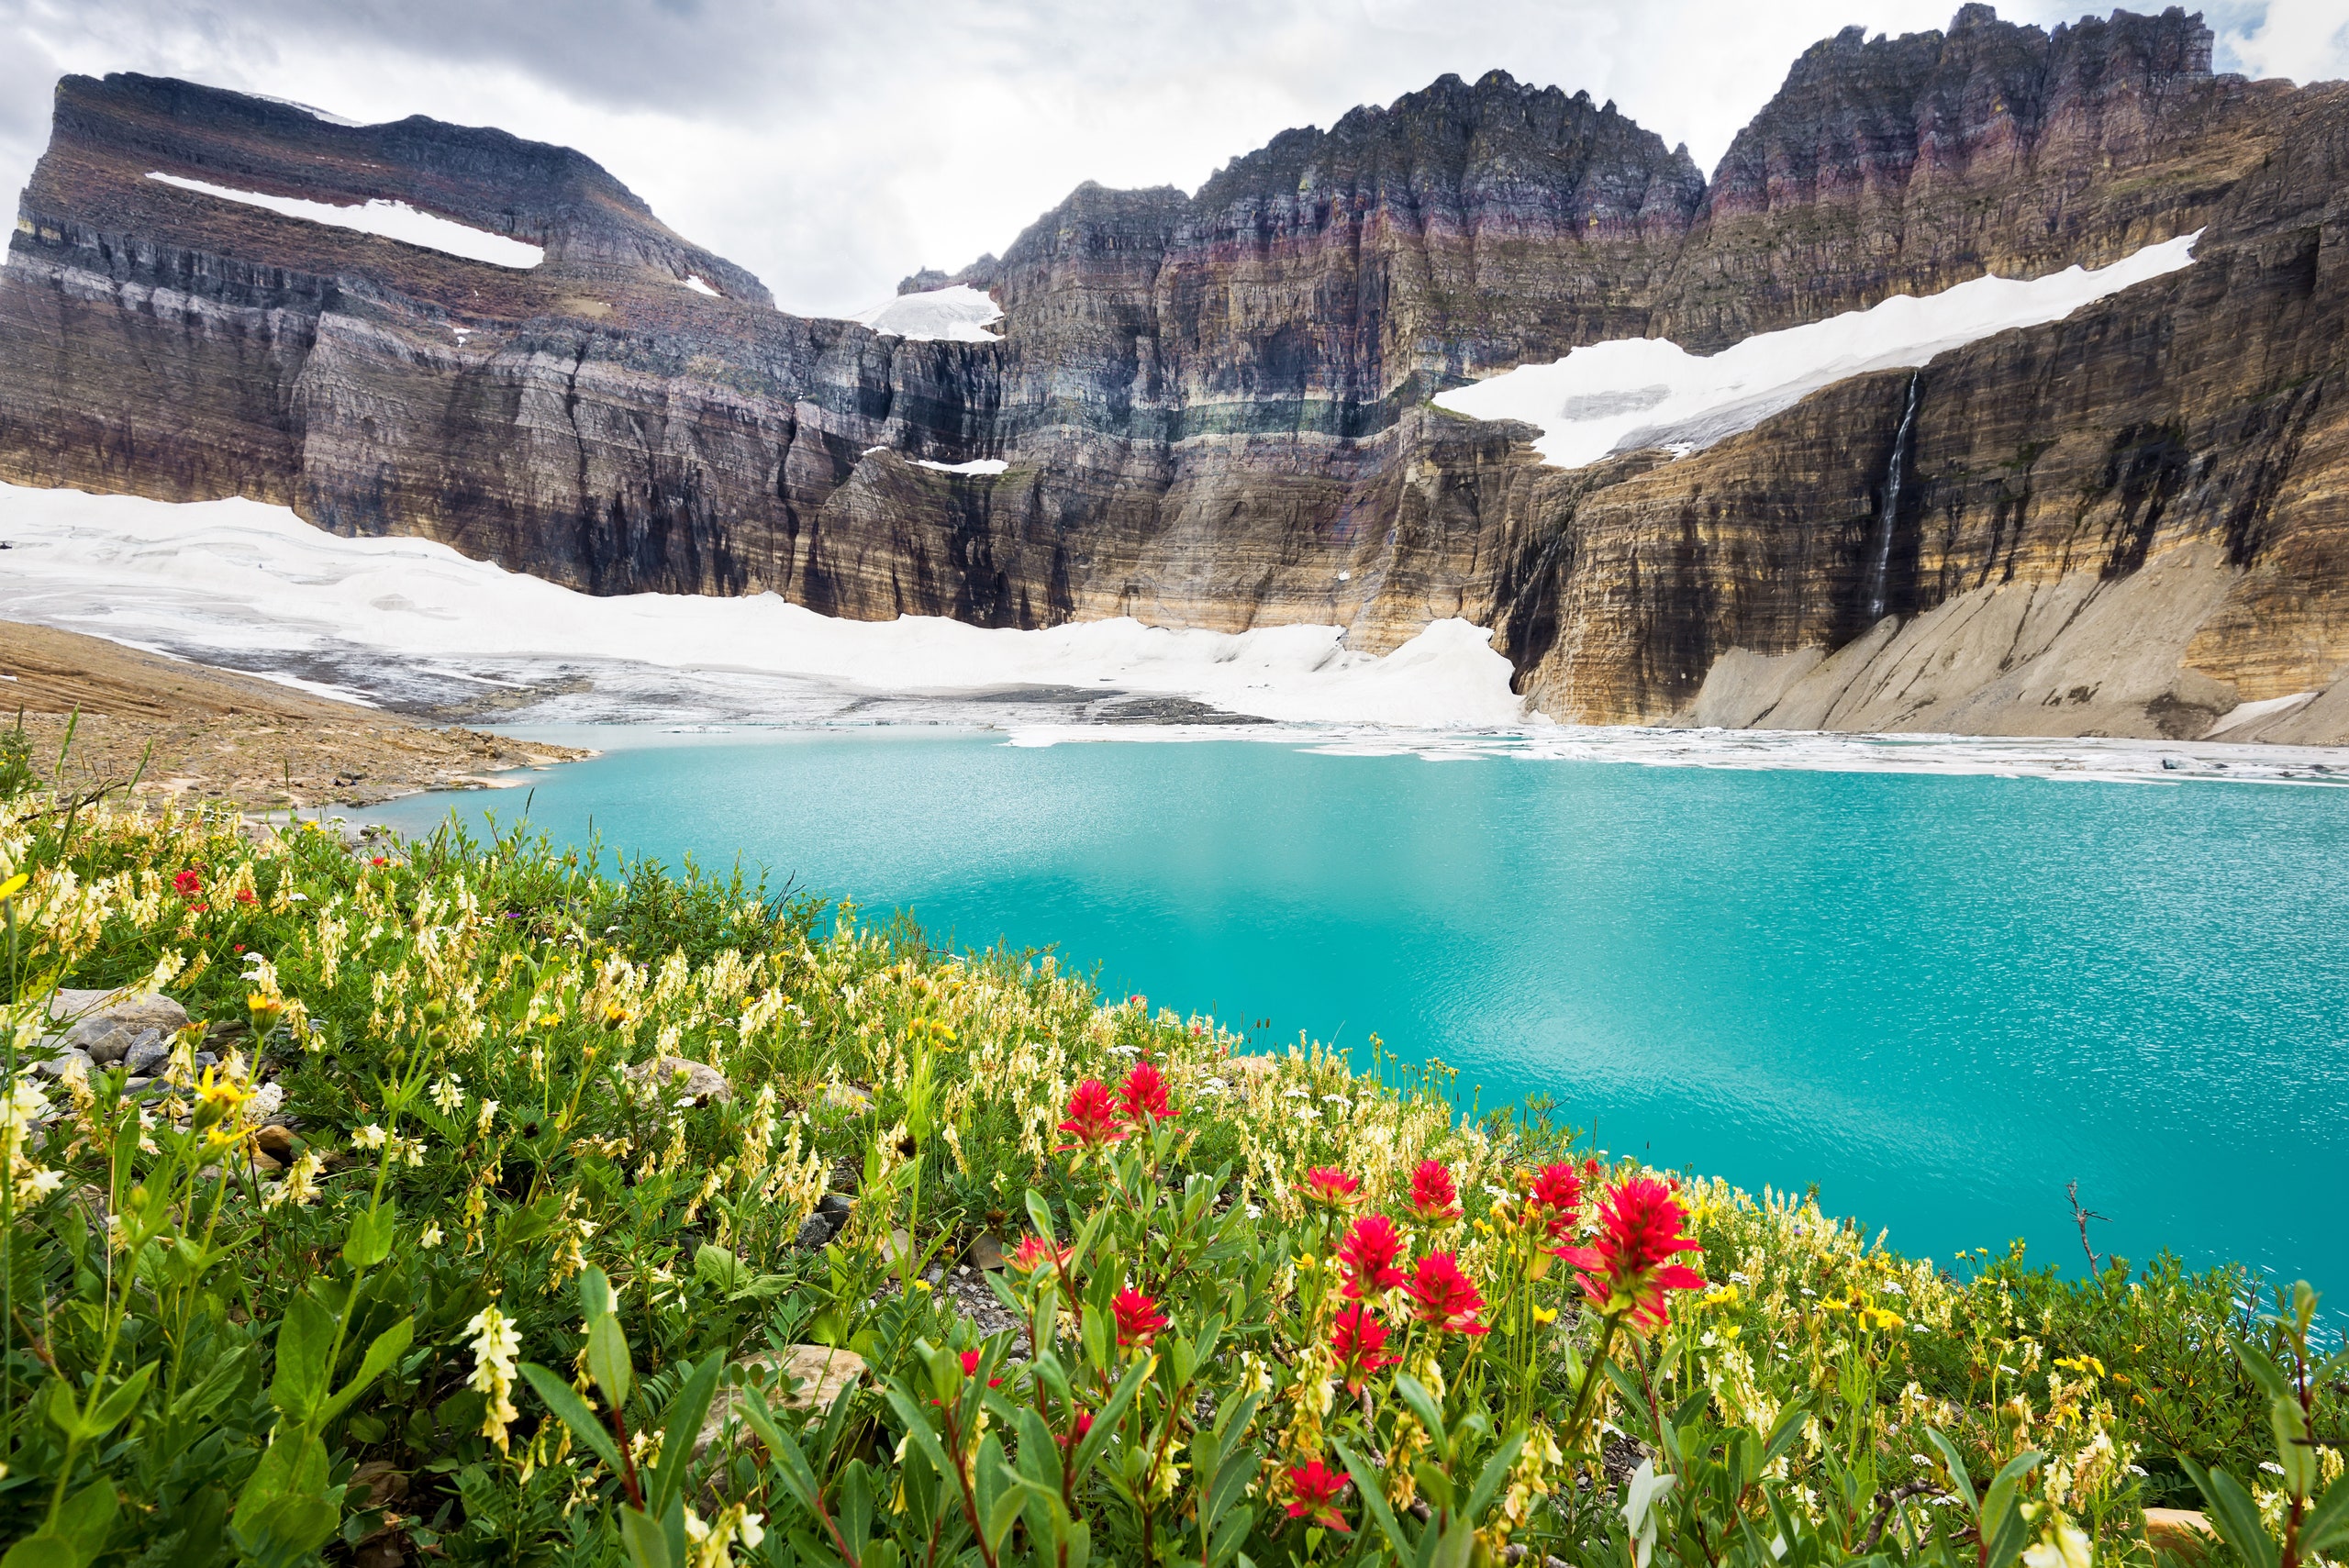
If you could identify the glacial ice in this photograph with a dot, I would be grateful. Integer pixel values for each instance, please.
(959, 315)
(698, 286)
(257, 586)
(388, 219)
(1630, 392)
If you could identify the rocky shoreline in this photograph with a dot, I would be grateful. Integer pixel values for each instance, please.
(168, 730)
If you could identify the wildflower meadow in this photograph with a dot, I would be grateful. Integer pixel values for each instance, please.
(495, 1204)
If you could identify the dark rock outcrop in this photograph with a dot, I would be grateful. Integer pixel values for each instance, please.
(1214, 409)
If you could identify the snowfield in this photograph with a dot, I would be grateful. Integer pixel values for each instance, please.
(1633, 393)
(959, 315)
(263, 589)
(386, 220)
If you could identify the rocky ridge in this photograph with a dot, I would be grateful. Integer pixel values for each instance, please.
(1213, 407)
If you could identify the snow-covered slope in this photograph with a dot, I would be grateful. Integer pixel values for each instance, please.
(960, 314)
(235, 577)
(1649, 392)
(391, 220)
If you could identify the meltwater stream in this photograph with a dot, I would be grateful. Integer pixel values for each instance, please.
(1940, 998)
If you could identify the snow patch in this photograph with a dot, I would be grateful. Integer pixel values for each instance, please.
(1633, 393)
(987, 465)
(2245, 713)
(386, 220)
(959, 315)
(239, 579)
(310, 109)
(698, 286)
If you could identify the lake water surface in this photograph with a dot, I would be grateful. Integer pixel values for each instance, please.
(1940, 998)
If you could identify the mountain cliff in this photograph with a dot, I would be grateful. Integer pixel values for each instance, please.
(1214, 409)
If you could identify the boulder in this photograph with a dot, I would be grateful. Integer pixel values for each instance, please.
(147, 1052)
(986, 1253)
(804, 1377)
(66, 1059)
(2180, 1530)
(155, 1011)
(696, 1081)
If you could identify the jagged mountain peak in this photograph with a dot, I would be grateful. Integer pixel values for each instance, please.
(109, 134)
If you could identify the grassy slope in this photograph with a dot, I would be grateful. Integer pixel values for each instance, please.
(408, 988)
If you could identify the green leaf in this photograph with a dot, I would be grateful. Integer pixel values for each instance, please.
(117, 1404)
(1040, 1214)
(1423, 1405)
(1105, 1421)
(88, 1516)
(370, 1242)
(386, 1349)
(2264, 1371)
(1951, 1460)
(647, 1543)
(64, 1412)
(1788, 1431)
(608, 1358)
(2234, 1513)
(219, 1380)
(917, 1426)
(1456, 1545)
(1367, 1486)
(685, 1413)
(42, 1550)
(2327, 1525)
(595, 1299)
(1495, 1471)
(576, 1415)
(303, 1342)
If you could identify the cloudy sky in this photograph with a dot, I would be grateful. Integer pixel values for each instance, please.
(834, 146)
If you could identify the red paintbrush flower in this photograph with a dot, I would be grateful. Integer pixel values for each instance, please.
(1632, 1263)
(1555, 1198)
(245, 895)
(1444, 1298)
(1139, 1319)
(187, 882)
(1368, 1255)
(1316, 1489)
(1435, 1197)
(1078, 1430)
(1144, 1094)
(971, 1366)
(1035, 1252)
(1329, 1188)
(1092, 1117)
(1360, 1343)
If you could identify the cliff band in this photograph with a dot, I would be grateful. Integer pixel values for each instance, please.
(1215, 409)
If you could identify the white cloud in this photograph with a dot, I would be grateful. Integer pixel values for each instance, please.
(834, 149)
(2307, 40)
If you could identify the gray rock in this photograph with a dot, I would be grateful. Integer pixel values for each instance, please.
(104, 1039)
(134, 1013)
(207, 1059)
(55, 1067)
(987, 1252)
(840, 1205)
(695, 1081)
(816, 1230)
(149, 1052)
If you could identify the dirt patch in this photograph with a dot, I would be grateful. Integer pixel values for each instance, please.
(187, 730)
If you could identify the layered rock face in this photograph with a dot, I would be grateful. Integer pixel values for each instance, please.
(1214, 407)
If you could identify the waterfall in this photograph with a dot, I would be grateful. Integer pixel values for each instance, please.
(1890, 513)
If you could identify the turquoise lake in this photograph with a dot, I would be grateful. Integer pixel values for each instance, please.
(1940, 998)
